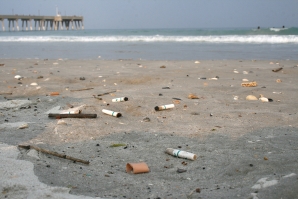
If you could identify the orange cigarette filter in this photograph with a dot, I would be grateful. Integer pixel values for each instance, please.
(135, 168)
(54, 93)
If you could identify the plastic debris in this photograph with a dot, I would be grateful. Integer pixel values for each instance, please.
(135, 168)
(120, 99)
(112, 113)
(54, 93)
(163, 107)
(181, 154)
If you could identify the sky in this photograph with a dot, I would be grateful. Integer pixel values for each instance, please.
(146, 14)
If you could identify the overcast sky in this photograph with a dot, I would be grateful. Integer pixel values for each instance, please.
(135, 14)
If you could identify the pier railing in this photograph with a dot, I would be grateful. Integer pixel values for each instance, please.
(42, 22)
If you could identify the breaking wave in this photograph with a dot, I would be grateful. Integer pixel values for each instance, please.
(274, 39)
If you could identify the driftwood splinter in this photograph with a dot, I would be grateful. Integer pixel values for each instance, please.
(58, 116)
(106, 93)
(53, 153)
(83, 89)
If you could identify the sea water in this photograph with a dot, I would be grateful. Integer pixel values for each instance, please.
(152, 44)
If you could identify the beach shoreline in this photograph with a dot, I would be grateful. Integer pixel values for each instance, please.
(245, 149)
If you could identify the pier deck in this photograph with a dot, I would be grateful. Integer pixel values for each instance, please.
(42, 22)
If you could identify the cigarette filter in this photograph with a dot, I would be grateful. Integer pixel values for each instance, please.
(163, 107)
(112, 113)
(54, 93)
(181, 154)
(135, 168)
(120, 99)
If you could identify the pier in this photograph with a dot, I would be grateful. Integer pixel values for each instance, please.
(57, 22)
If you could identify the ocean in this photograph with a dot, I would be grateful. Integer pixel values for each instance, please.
(152, 44)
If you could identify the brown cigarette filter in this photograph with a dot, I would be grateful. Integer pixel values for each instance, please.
(135, 168)
(54, 93)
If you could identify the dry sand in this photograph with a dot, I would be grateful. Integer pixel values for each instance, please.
(245, 149)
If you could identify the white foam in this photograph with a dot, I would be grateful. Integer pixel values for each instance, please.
(263, 183)
(158, 38)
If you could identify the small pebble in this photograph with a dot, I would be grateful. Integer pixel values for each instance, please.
(181, 170)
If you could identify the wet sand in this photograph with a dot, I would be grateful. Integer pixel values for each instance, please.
(245, 149)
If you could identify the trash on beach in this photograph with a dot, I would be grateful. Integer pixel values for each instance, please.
(202, 78)
(34, 84)
(163, 67)
(23, 126)
(117, 145)
(213, 78)
(277, 69)
(278, 81)
(197, 62)
(136, 168)
(236, 71)
(181, 154)
(120, 99)
(112, 113)
(163, 107)
(53, 153)
(166, 87)
(251, 97)
(192, 96)
(245, 80)
(58, 115)
(18, 77)
(236, 97)
(249, 84)
(54, 93)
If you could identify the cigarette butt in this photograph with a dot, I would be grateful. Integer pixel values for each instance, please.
(120, 99)
(135, 168)
(181, 154)
(112, 113)
(54, 93)
(163, 107)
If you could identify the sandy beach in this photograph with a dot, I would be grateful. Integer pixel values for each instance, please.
(245, 148)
